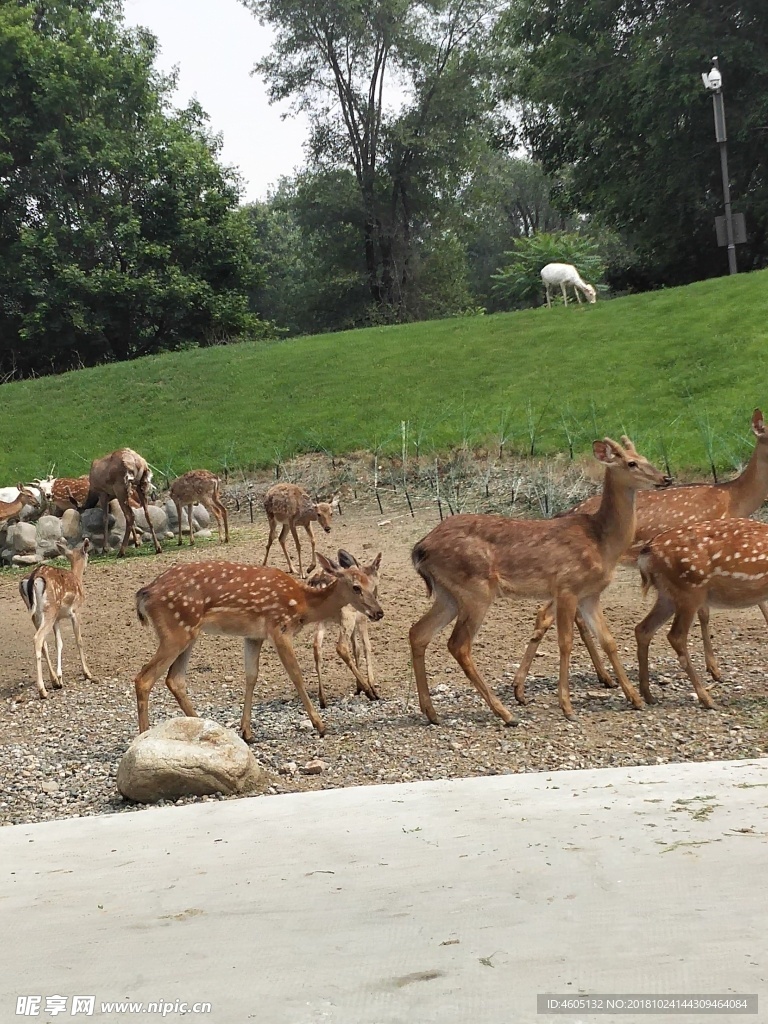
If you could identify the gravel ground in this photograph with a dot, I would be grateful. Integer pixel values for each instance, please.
(59, 757)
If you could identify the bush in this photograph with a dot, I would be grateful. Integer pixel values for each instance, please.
(518, 281)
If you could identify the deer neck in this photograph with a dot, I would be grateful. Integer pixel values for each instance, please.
(324, 603)
(750, 489)
(616, 517)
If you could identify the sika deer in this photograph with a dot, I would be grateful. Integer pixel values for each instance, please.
(561, 275)
(720, 564)
(115, 476)
(52, 595)
(353, 629)
(291, 506)
(658, 511)
(199, 486)
(11, 509)
(254, 602)
(468, 560)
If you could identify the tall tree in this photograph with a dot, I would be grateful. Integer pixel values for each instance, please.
(117, 227)
(399, 93)
(612, 91)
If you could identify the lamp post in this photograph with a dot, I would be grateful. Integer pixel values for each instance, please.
(714, 82)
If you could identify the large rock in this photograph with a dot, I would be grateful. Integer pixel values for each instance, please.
(200, 518)
(187, 757)
(92, 526)
(24, 538)
(48, 535)
(70, 526)
(157, 517)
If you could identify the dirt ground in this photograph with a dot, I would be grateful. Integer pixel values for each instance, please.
(59, 756)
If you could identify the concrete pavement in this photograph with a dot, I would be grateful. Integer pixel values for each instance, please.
(454, 901)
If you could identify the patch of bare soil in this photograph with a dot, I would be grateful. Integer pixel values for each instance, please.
(59, 757)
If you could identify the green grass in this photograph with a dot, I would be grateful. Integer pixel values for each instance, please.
(678, 370)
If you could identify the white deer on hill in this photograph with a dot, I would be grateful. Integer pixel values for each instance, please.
(563, 274)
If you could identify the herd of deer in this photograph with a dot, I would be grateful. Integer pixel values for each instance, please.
(693, 544)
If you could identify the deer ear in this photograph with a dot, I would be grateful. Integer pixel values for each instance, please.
(328, 564)
(604, 451)
(629, 446)
(86, 545)
(374, 567)
(758, 426)
(346, 560)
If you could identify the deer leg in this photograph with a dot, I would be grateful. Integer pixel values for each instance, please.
(251, 655)
(191, 524)
(281, 539)
(317, 649)
(79, 645)
(565, 612)
(51, 669)
(442, 612)
(593, 613)
(588, 640)
(129, 524)
(104, 506)
(368, 657)
(295, 536)
(58, 683)
(159, 665)
(565, 293)
(286, 654)
(662, 610)
(178, 516)
(549, 297)
(176, 681)
(763, 606)
(678, 638)
(710, 658)
(342, 649)
(220, 511)
(40, 646)
(311, 532)
(272, 531)
(460, 646)
(544, 619)
(577, 293)
(145, 507)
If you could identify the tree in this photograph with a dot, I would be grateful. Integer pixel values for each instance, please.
(611, 91)
(399, 94)
(118, 235)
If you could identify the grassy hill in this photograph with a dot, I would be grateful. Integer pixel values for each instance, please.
(679, 370)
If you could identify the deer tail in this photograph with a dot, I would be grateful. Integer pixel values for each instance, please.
(141, 602)
(644, 564)
(419, 555)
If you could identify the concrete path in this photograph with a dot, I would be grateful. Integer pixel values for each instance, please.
(453, 901)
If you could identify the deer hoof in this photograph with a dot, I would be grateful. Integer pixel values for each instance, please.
(57, 684)
(511, 722)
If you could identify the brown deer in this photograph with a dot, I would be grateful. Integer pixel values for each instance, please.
(291, 506)
(116, 476)
(658, 511)
(11, 509)
(468, 560)
(353, 629)
(254, 602)
(52, 595)
(199, 486)
(722, 564)
(68, 492)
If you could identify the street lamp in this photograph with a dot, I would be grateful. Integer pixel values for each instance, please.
(714, 82)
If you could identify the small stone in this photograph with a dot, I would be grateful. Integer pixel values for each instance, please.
(314, 767)
(50, 787)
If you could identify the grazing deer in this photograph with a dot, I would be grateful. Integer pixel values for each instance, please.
(116, 476)
(658, 511)
(69, 492)
(10, 509)
(52, 595)
(254, 602)
(562, 275)
(199, 486)
(722, 564)
(468, 560)
(353, 629)
(291, 506)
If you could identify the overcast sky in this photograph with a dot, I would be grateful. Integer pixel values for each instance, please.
(215, 43)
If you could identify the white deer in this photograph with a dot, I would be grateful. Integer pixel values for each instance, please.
(563, 274)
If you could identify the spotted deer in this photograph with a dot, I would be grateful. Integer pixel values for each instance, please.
(467, 561)
(11, 509)
(200, 486)
(257, 603)
(52, 595)
(291, 506)
(69, 492)
(658, 511)
(118, 475)
(353, 630)
(721, 564)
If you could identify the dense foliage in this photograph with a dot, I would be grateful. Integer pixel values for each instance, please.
(118, 235)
